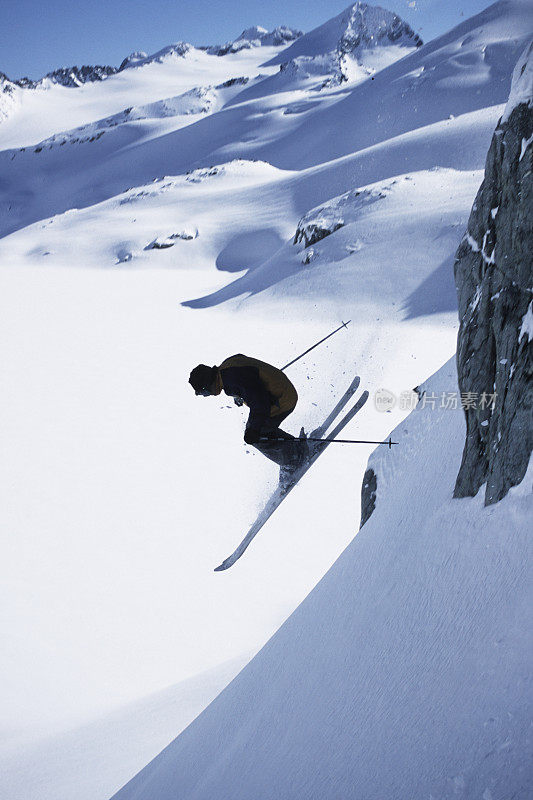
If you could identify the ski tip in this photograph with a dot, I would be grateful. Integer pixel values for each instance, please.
(222, 567)
(354, 385)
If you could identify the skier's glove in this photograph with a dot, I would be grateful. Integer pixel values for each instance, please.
(238, 401)
(251, 436)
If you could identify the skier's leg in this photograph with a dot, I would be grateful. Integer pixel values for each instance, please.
(281, 452)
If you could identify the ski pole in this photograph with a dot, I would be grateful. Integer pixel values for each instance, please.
(389, 441)
(344, 325)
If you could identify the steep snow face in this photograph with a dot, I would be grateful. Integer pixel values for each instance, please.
(359, 27)
(405, 672)
(522, 84)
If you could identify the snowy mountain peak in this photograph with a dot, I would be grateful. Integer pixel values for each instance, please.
(255, 32)
(359, 27)
(368, 26)
(5, 84)
(133, 59)
(257, 36)
(171, 52)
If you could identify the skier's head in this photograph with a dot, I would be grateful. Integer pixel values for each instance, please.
(202, 379)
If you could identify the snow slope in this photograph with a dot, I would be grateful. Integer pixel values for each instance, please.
(52, 108)
(93, 761)
(112, 536)
(405, 672)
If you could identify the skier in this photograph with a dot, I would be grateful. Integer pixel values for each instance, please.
(270, 396)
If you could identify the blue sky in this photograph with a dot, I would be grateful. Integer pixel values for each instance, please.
(37, 37)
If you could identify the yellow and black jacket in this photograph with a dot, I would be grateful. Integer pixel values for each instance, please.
(264, 388)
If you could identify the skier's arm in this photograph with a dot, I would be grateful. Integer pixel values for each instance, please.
(245, 382)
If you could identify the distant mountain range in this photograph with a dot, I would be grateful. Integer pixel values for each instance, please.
(359, 27)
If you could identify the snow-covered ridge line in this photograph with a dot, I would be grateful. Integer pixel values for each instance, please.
(72, 77)
(200, 100)
(256, 37)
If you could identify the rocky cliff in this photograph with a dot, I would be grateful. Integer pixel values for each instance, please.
(494, 280)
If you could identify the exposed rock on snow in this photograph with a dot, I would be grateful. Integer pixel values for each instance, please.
(309, 255)
(187, 235)
(494, 278)
(328, 218)
(124, 255)
(163, 242)
(313, 232)
(242, 81)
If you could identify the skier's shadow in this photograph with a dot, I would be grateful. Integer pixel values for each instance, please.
(264, 267)
(248, 250)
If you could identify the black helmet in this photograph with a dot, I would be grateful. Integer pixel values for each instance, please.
(202, 378)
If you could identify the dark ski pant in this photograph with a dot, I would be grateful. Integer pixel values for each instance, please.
(283, 453)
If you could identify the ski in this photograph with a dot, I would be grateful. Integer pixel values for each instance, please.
(280, 494)
(332, 416)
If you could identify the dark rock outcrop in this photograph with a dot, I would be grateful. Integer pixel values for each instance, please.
(494, 280)
(311, 233)
(368, 495)
(71, 77)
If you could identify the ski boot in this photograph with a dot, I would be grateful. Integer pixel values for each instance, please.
(295, 461)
